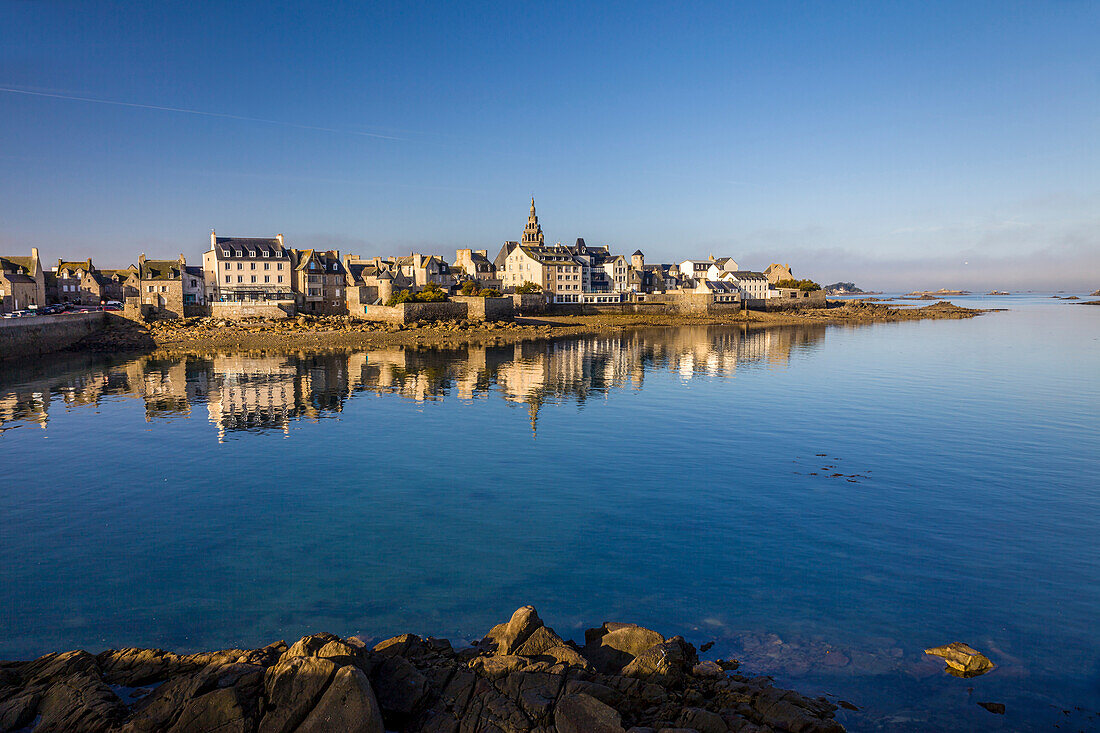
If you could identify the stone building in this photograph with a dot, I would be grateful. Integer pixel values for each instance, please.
(160, 287)
(372, 282)
(777, 273)
(474, 264)
(319, 282)
(22, 282)
(253, 269)
(79, 283)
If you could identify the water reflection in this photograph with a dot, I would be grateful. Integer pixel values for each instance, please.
(266, 392)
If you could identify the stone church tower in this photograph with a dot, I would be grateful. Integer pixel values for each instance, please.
(532, 235)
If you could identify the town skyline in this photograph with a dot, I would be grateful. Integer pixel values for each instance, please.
(914, 146)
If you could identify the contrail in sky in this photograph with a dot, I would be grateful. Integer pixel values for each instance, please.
(201, 113)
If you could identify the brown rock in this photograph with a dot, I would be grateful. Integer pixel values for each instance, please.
(664, 663)
(962, 659)
(293, 687)
(581, 713)
(347, 705)
(509, 636)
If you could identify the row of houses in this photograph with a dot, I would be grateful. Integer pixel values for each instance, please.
(262, 276)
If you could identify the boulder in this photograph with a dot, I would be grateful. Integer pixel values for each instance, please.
(664, 663)
(508, 637)
(581, 713)
(615, 645)
(293, 687)
(323, 645)
(347, 705)
(962, 660)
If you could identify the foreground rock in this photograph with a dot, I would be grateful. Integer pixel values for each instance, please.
(962, 660)
(521, 677)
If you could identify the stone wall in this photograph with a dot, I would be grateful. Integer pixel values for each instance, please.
(527, 303)
(414, 312)
(237, 309)
(22, 337)
(486, 309)
(791, 299)
(662, 304)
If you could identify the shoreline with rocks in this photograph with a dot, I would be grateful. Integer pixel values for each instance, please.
(343, 331)
(521, 677)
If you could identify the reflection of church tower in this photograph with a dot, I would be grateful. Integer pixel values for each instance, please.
(533, 406)
(532, 235)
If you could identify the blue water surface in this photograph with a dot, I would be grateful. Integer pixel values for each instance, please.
(822, 502)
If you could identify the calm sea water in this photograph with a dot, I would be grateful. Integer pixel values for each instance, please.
(822, 502)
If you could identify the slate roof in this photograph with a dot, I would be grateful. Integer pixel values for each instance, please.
(160, 270)
(748, 275)
(15, 277)
(25, 265)
(241, 247)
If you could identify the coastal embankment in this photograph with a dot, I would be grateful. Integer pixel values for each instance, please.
(521, 677)
(344, 332)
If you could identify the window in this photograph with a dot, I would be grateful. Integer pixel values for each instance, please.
(267, 265)
(313, 265)
(164, 288)
(251, 253)
(240, 278)
(228, 278)
(280, 266)
(252, 266)
(253, 278)
(240, 265)
(335, 267)
(225, 253)
(267, 278)
(148, 288)
(266, 253)
(227, 265)
(278, 253)
(280, 278)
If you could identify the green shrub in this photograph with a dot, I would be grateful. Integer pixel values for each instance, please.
(489, 293)
(529, 287)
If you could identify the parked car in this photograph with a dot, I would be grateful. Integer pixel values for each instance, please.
(111, 307)
(50, 310)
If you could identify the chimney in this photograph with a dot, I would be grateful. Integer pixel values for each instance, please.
(279, 237)
(34, 253)
(213, 239)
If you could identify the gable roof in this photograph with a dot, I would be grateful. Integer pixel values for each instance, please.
(23, 265)
(160, 270)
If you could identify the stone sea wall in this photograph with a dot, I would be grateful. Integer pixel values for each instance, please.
(521, 677)
(21, 337)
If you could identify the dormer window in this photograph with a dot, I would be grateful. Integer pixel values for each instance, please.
(225, 253)
(266, 253)
(335, 266)
(239, 253)
(278, 253)
(251, 253)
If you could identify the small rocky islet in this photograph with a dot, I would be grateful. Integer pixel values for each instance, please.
(521, 677)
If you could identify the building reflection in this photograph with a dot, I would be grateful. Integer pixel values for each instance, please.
(261, 392)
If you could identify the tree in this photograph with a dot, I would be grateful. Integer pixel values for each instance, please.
(803, 285)
(431, 293)
(529, 287)
(469, 287)
(489, 293)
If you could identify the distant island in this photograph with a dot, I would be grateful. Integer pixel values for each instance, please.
(846, 289)
(998, 292)
(927, 294)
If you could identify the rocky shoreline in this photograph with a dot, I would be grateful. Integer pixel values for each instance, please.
(521, 677)
(342, 331)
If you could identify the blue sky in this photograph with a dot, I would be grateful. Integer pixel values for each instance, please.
(895, 144)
